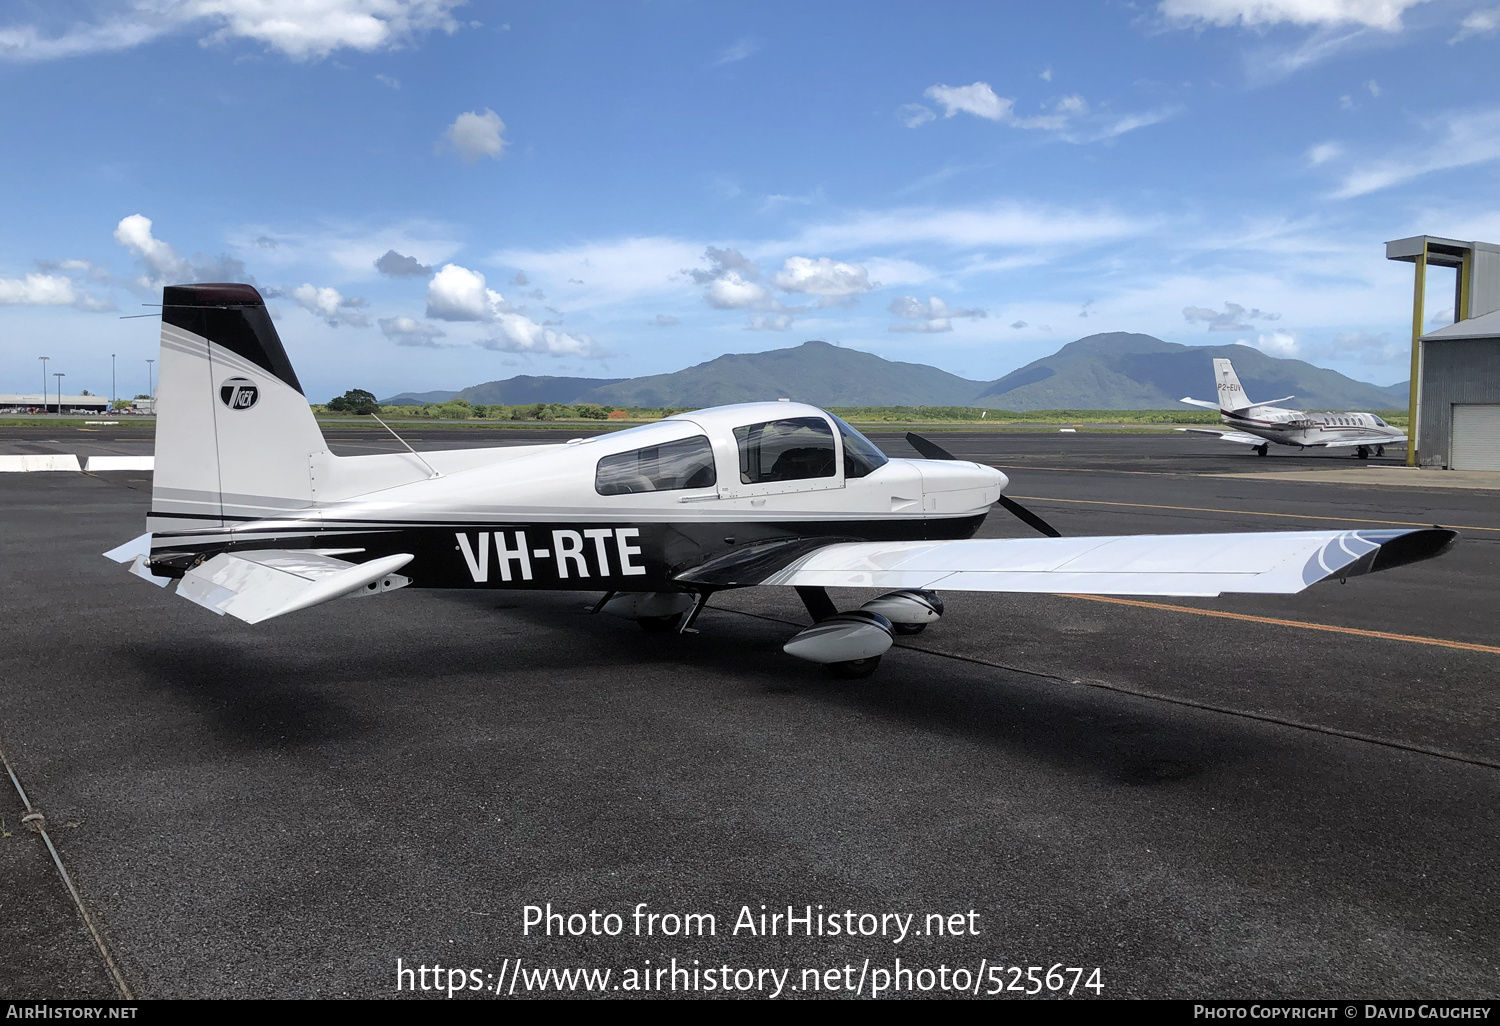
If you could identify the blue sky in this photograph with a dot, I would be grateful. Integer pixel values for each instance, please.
(434, 193)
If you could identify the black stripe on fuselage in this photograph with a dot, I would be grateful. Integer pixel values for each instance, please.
(581, 556)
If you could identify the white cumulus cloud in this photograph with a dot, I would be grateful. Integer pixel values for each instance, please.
(977, 99)
(134, 233)
(299, 29)
(518, 334)
(475, 135)
(38, 290)
(459, 294)
(408, 331)
(1478, 23)
(929, 318)
(830, 279)
(330, 305)
(1276, 343)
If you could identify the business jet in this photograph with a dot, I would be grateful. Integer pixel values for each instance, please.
(253, 517)
(1260, 424)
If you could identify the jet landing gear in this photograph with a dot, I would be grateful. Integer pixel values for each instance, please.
(1362, 453)
(851, 643)
(1262, 448)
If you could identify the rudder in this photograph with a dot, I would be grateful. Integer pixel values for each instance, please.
(1231, 394)
(233, 429)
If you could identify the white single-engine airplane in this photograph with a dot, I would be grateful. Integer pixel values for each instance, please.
(253, 516)
(1259, 424)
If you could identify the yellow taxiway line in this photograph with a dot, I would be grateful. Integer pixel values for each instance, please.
(1416, 639)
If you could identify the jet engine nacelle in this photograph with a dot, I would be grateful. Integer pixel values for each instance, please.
(909, 607)
(843, 638)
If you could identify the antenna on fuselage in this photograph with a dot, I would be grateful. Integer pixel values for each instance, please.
(409, 449)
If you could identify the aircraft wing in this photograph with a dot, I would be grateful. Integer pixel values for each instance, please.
(1229, 436)
(258, 585)
(1181, 564)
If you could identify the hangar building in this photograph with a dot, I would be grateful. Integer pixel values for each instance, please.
(1455, 370)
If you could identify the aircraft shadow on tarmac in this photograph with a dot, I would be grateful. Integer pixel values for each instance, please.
(1121, 738)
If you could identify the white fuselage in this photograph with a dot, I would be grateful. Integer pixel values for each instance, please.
(1297, 427)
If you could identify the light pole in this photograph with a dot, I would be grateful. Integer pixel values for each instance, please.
(59, 375)
(150, 385)
(113, 399)
(44, 360)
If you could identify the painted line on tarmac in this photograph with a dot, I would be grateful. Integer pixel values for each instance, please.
(1253, 513)
(1415, 639)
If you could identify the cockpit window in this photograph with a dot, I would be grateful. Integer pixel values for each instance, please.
(688, 463)
(794, 449)
(861, 456)
(1379, 422)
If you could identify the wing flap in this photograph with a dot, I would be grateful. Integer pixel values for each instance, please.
(1280, 562)
(258, 585)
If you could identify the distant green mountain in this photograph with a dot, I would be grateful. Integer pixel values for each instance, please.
(1123, 371)
(813, 372)
(1112, 371)
(528, 388)
(418, 398)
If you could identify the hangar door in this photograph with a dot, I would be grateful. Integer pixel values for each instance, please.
(1476, 437)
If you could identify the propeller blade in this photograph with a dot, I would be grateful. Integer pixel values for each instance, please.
(932, 451)
(929, 450)
(1029, 518)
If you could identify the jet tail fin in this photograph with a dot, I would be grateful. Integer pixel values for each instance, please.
(1231, 393)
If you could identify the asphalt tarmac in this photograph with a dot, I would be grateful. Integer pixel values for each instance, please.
(1300, 799)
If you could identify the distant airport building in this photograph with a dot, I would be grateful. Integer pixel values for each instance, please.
(1455, 370)
(50, 403)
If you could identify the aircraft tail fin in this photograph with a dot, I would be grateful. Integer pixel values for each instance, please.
(234, 432)
(1231, 392)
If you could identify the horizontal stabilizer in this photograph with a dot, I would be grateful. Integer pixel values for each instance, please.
(259, 585)
(1272, 562)
(1241, 437)
(1200, 402)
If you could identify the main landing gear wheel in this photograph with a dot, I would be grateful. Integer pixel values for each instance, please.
(854, 669)
(908, 628)
(660, 624)
(1262, 448)
(1362, 453)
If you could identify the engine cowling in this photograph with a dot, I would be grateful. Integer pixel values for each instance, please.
(843, 638)
(909, 607)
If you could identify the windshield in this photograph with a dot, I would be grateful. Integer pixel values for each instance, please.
(860, 454)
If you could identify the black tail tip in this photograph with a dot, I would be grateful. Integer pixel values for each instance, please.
(211, 294)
